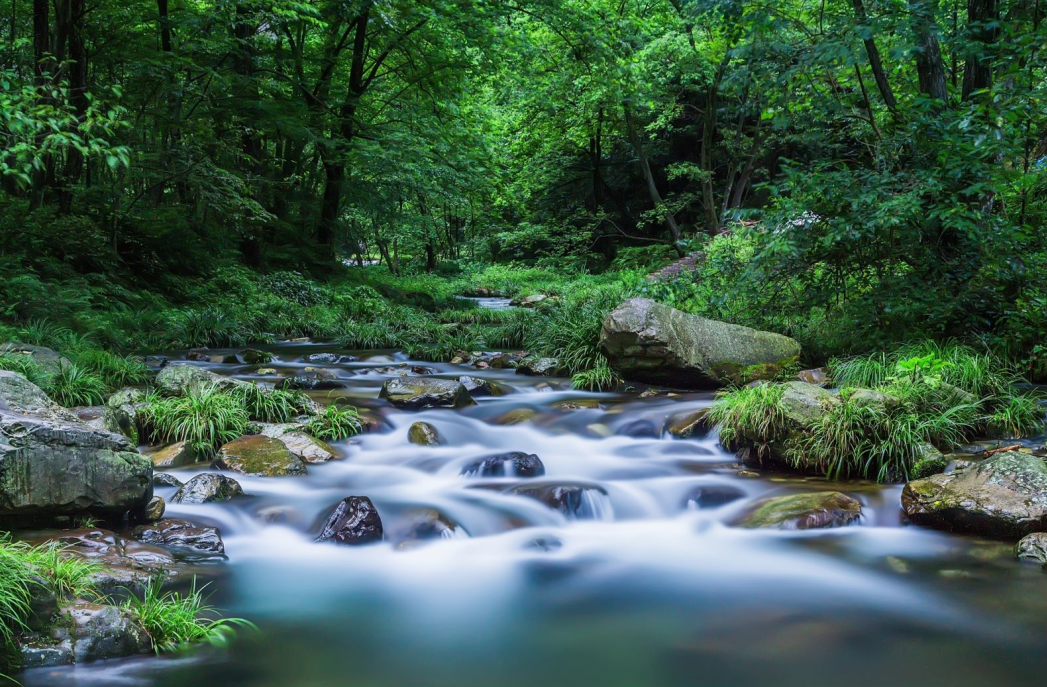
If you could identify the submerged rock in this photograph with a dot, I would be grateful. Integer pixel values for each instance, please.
(329, 358)
(650, 342)
(51, 467)
(510, 464)
(515, 416)
(422, 392)
(687, 425)
(258, 454)
(712, 496)
(180, 534)
(1004, 496)
(423, 434)
(579, 501)
(313, 379)
(578, 404)
(818, 376)
(1033, 548)
(353, 521)
(803, 512)
(209, 487)
(163, 479)
(426, 524)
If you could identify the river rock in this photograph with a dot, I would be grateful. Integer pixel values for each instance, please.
(302, 445)
(712, 496)
(50, 467)
(123, 565)
(257, 454)
(174, 455)
(818, 376)
(426, 524)
(639, 428)
(423, 434)
(578, 404)
(803, 512)
(1033, 547)
(199, 355)
(19, 395)
(179, 534)
(476, 386)
(155, 509)
(578, 501)
(513, 464)
(1003, 496)
(50, 360)
(312, 379)
(164, 479)
(529, 301)
(253, 356)
(85, 632)
(353, 521)
(650, 342)
(175, 379)
(323, 358)
(687, 425)
(209, 487)
(423, 392)
(122, 412)
(538, 367)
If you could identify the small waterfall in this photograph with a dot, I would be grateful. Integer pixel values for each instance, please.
(593, 504)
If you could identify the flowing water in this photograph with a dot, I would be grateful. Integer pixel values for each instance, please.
(637, 580)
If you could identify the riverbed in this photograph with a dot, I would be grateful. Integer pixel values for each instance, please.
(640, 581)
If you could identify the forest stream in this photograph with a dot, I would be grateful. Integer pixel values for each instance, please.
(636, 577)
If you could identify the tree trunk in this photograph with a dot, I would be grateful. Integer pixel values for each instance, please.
(43, 68)
(882, 84)
(983, 24)
(929, 65)
(652, 188)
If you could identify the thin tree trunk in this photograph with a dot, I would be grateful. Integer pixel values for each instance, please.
(875, 63)
(983, 23)
(652, 188)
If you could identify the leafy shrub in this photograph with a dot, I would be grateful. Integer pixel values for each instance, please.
(24, 365)
(750, 412)
(73, 385)
(295, 287)
(205, 417)
(336, 423)
(270, 405)
(114, 371)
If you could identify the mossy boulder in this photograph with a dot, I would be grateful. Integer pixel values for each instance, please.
(300, 444)
(122, 412)
(175, 455)
(1033, 547)
(423, 434)
(175, 379)
(803, 512)
(650, 342)
(258, 454)
(49, 467)
(423, 392)
(85, 632)
(1004, 497)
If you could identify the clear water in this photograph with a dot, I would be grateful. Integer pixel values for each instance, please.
(634, 588)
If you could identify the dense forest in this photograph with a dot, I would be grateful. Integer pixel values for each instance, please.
(189, 189)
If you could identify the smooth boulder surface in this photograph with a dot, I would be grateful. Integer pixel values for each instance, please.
(165, 479)
(512, 464)
(175, 380)
(712, 496)
(300, 444)
(50, 467)
(209, 487)
(258, 454)
(154, 510)
(538, 367)
(1004, 497)
(423, 434)
(423, 392)
(174, 455)
(803, 512)
(180, 534)
(689, 424)
(353, 521)
(19, 395)
(649, 342)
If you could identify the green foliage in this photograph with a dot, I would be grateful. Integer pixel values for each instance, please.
(68, 575)
(176, 621)
(73, 385)
(270, 405)
(925, 467)
(336, 423)
(24, 365)
(205, 417)
(751, 413)
(115, 371)
(601, 378)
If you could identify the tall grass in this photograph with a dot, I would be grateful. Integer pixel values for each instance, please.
(750, 414)
(24, 365)
(74, 385)
(175, 620)
(115, 371)
(205, 417)
(336, 423)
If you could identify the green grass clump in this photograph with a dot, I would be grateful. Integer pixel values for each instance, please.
(336, 423)
(176, 621)
(751, 414)
(601, 378)
(73, 385)
(24, 365)
(205, 417)
(270, 405)
(67, 574)
(115, 371)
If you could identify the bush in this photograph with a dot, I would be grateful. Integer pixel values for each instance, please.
(205, 417)
(750, 413)
(336, 423)
(73, 385)
(115, 371)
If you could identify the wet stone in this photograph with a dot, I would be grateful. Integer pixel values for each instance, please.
(513, 464)
(803, 512)
(712, 496)
(208, 488)
(1033, 548)
(259, 455)
(423, 434)
(163, 479)
(353, 521)
(180, 534)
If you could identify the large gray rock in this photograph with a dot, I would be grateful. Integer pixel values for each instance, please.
(650, 342)
(175, 379)
(1004, 496)
(803, 512)
(300, 444)
(121, 413)
(424, 392)
(51, 361)
(19, 395)
(50, 467)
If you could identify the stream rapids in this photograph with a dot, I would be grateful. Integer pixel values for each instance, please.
(639, 582)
